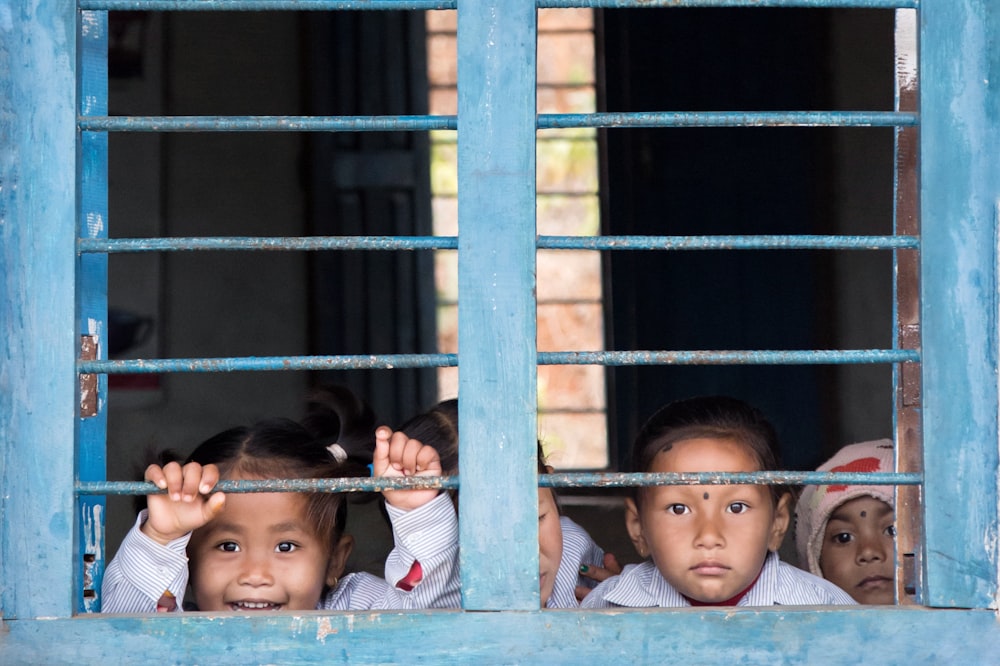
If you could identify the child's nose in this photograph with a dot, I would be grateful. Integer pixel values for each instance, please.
(872, 550)
(255, 572)
(709, 534)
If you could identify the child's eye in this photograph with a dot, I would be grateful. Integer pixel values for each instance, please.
(891, 531)
(286, 547)
(229, 547)
(738, 507)
(842, 538)
(678, 509)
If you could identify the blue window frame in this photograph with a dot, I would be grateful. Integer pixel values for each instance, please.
(53, 240)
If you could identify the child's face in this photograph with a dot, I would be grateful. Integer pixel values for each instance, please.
(259, 554)
(549, 543)
(708, 542)
(858, 550)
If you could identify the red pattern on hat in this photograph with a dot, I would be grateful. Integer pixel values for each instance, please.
(859, 465)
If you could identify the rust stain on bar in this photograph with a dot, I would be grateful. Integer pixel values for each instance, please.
(88, 382)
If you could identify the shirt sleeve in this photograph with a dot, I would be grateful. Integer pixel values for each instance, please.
(142, 570)
(428, 535)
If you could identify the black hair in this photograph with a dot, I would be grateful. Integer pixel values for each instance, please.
(438, 427)
(336, 439)
(710, 417)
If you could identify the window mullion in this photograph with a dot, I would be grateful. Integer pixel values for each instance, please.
(496, 280)
(960, 183)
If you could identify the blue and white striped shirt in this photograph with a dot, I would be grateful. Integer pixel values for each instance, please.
(642, 586)
(578, 548)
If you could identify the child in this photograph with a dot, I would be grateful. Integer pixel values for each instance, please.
(252, 552)
(847, 534)
(568, 559)
(709, 545)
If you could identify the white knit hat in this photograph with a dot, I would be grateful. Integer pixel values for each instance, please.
(817, 502)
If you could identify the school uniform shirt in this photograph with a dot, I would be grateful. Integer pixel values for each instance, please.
(428, 538)
(779, 583)
(578, 548)
(143, 570)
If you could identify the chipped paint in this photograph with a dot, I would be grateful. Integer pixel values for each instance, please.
(95, 224)
(906, 50)
(324, 628)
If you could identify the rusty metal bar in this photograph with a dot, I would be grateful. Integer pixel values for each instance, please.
(579, 480)
(315, 243)
(390, 361)
(266, 123)
(729, 119)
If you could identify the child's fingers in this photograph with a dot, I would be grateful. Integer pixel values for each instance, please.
(610, 568)
(214, 506)
(192, 481)
(209, 477)
(410, 453)
(174, 480)
(154, 474)
(397, 450)
(428, 461)
(611, 564)
(380, 459)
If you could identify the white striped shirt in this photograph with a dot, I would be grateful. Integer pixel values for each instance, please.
(578, 548)
(642, 586)
(142, 569)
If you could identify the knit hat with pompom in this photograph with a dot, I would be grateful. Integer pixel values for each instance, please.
(816, 503)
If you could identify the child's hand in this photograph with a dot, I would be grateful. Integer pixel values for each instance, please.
(398, 455)
(610, 568)
(187, 504)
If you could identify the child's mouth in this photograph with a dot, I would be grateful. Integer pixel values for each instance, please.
(875, 582)
(254, 606)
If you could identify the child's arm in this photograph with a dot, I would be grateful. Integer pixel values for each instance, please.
(152, 561)
(424, 561)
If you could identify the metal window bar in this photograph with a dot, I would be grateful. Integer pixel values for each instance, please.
(946, 340)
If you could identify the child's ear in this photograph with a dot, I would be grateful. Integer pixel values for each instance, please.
(634, 526)
(338, 559)
(782, 519)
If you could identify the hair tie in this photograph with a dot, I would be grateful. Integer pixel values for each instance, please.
(338, 452)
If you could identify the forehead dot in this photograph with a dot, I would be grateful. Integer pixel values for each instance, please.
(705, 495)
(864, 514)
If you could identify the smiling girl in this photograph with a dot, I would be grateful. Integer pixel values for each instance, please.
(273, 551)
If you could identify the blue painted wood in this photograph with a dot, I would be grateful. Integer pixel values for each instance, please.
(780, 635)
(298, 5)
(960, 190)
(38, 382)
(496, 318)
(92, 303)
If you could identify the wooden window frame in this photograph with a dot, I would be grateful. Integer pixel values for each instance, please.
(44, 170)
